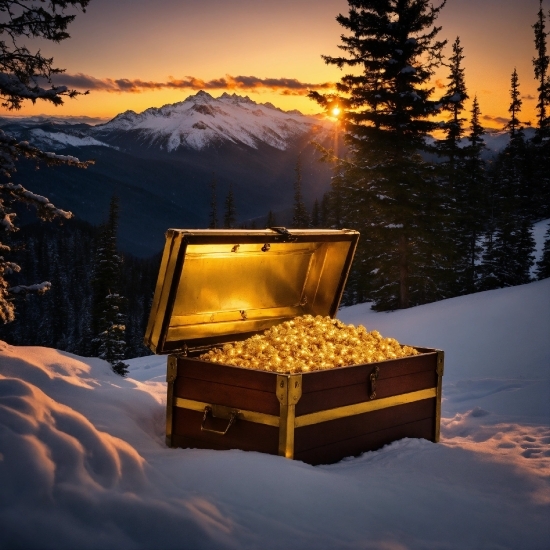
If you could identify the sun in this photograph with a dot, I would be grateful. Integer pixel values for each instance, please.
(335, 111)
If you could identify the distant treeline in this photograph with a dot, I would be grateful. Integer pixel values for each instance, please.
(65, 255)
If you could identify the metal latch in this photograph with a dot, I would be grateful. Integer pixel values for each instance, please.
(285, 234)
(373, 378)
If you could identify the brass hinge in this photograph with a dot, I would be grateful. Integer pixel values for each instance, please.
(289, 388)
(171, 368)
(440, 362)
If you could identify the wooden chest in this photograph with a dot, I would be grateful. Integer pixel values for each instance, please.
(216, 287)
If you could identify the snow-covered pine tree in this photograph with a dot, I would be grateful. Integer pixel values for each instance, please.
(108, 320)
(213, 222)
(508, 259)
(300, 215)
(230, 212)
(388, 188)
(111, 341)
(22, 76)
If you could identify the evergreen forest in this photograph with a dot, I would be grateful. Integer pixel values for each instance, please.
(84, 271)
(438, 216)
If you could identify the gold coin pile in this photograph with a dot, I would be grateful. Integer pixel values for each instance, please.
(307, 344)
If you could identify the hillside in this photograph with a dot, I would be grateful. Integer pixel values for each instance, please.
(84, 462)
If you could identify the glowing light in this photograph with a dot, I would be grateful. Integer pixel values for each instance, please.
(336, 111)
(307, 344)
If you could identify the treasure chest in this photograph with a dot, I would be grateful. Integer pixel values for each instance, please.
(221, 286)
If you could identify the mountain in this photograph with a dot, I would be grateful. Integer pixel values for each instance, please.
(201, 122)
(161, 164)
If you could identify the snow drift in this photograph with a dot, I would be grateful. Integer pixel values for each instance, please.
(83, 463)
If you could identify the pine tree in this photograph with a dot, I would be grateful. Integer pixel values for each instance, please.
(325, 210)
(271, 220)
(473, 208)
(453, 101)
(543, 265)
(541, 63)
(541, 143)
(468, 209)
(514, 125)
(452, 192)
(300, 217)
(21, 70)
(508, 260)
(108, 321)
(213, 223)
(230, 213)
(386, 186)
(111, 340)
(316, 215)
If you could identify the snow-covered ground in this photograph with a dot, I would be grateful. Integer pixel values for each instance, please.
(83, 462)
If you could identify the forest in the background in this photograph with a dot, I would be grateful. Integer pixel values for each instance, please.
(439, 215)
(66, 254)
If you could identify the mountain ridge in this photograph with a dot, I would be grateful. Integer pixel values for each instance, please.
(201, 121)
(163, 182)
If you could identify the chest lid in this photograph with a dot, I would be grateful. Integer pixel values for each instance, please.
(216, 286)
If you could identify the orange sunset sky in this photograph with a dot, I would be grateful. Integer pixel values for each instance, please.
(135, 54)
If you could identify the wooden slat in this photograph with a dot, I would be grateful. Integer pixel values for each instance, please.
(229, 396)
(332, 398)
(328, 454)
(249, 416)
(243, 435)
(357, 374)
(308, 437)
(227, 374)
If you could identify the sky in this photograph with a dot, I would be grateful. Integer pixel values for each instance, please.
(136, 54)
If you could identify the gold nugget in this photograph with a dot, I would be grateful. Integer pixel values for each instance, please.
(307, 344)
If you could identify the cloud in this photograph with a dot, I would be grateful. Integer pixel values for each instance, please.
(503, 120)
(439, 84)
(287, 86)
(499, 119)
(528, 97)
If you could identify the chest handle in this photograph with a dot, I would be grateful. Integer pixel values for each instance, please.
(208, 411)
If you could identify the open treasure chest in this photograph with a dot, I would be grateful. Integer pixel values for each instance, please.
(218, 290)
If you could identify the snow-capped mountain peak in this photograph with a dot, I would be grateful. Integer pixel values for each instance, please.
(202, 121)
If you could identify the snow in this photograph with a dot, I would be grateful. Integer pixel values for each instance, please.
(83, 462)
(68, 120)
(497, 140)
(59, 140)
(202, 120)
